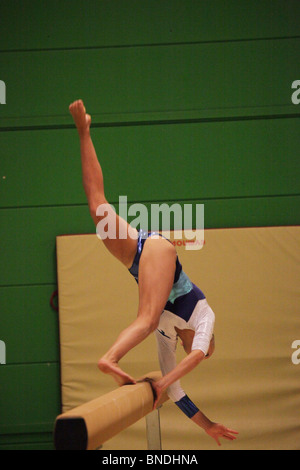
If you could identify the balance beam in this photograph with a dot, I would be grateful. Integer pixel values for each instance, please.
(88, 426)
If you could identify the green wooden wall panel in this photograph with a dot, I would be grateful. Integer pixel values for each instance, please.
(253, 212)
(192, 81)
(35, 166)
(29, 244)
(201, 160)
(90, 23)
(29, 326)
(30, 398)
(28, 441)
(30, 446)
(24, 438)
(30, 255)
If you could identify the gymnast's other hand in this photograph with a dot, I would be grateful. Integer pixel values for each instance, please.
(112, 368)
(158, 391)
(217, 431)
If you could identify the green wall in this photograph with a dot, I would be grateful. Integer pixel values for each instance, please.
(191, 102)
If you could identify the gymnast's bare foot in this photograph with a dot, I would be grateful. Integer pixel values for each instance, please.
(112, 368)
(81, 118)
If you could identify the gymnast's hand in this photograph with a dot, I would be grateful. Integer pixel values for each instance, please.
(217, 431)
(158, 391)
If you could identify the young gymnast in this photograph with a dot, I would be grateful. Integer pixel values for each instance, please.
(169, 303)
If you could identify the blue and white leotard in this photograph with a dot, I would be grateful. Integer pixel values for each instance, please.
(186, 308)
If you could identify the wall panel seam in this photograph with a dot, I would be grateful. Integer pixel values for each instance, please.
(49, 284)
(154, 122)
(24, 364)
(160, 201)
(162, 44)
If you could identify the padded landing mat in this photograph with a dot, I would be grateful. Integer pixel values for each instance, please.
(251, 280)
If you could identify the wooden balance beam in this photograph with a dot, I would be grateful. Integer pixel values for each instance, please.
(88, 426)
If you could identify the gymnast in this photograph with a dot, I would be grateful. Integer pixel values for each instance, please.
(169, 303)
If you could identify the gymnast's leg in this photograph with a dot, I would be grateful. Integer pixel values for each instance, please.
(156, 278)
(157, 264)
(124, 249)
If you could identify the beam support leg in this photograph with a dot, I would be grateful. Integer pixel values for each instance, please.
(153, 430)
